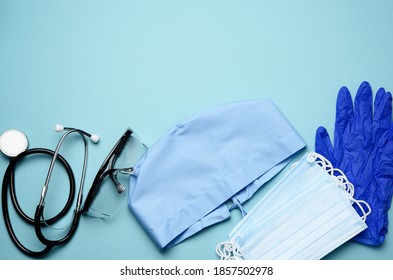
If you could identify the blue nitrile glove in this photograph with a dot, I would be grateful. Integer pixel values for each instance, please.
(363, 150)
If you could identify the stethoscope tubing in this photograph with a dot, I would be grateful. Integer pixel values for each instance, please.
(9, 183)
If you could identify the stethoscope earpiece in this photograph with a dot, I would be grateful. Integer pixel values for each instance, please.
(59, 128)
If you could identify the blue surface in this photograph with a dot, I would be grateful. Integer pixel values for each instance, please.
(106, 65)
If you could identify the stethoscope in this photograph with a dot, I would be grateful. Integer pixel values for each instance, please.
(14, 143)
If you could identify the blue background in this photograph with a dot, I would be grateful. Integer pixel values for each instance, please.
(107, 65)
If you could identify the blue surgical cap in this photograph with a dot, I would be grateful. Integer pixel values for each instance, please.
(182, 183)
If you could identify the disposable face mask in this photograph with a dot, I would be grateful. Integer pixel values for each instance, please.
(182, 183)
(308, 214)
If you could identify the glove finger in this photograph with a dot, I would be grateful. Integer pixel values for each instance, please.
(363, 113)
(382, 116)
(344, 116)
(323, 144)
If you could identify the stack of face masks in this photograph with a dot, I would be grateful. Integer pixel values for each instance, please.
(309, 213)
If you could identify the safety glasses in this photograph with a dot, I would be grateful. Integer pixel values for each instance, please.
(108, 190)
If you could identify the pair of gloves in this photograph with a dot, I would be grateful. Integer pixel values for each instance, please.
(363, 150)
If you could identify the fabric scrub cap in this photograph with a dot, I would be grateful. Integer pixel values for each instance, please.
(182, 183)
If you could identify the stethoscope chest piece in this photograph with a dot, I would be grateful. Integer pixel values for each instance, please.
(13, 142)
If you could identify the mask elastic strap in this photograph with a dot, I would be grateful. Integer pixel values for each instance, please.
(341, 179)
(359, 204)
(229, 250)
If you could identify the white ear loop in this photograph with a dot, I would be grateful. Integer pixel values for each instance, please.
(341, 179)
(359, 204)
(229, 250)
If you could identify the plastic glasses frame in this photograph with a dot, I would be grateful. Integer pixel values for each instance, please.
(107, 169)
